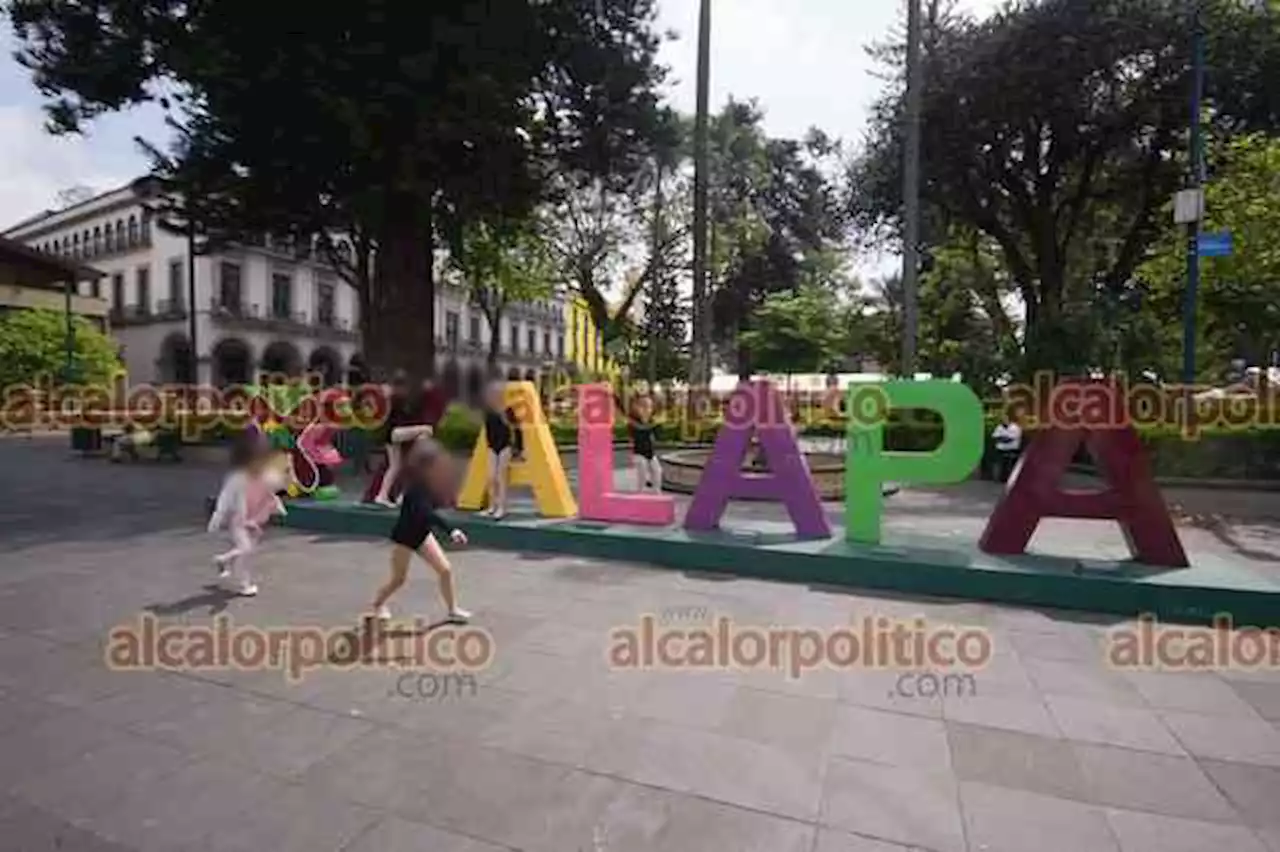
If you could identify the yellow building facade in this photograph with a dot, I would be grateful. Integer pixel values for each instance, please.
(584, 344)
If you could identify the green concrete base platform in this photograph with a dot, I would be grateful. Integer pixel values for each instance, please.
(921, 565)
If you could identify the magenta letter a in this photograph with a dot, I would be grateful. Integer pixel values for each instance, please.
(755, 407)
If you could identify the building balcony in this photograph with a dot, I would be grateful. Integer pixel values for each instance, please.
(293, 323)
(167, 310)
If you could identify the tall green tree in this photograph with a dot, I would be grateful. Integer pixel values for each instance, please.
(502, 264)
(777, 221)
(388, 120)
(590, 224)
(800, 331)
(1056, 129)
(1239, 306)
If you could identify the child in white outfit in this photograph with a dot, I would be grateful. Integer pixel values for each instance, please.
(245, 504)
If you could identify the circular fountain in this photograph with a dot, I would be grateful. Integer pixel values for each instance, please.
(682, 469)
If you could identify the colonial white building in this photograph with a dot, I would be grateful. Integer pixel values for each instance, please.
(259, 308)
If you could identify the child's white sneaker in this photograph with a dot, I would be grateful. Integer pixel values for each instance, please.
(458, 615)
(248, 590)
(383, 613)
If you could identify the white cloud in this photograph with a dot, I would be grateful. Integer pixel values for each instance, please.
(37, 166)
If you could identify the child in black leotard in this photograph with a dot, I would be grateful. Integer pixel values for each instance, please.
(643, 456)
(429, 483)
(502, 433)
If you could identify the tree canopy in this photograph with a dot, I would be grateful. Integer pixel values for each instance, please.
(388, 122)
(1056, 130)
(33, 347)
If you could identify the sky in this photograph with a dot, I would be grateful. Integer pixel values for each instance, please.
(804, 61)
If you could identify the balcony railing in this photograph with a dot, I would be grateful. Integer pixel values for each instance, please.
(166, 311)
(251, 315)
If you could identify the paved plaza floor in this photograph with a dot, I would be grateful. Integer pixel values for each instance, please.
(550, 749)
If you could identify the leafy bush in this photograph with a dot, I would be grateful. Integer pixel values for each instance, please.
(459, 428)
(33, 348)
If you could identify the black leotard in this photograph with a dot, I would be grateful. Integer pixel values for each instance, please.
(418, 517)
(641, 431)
(399, 416)
(502, 431)
(642, 438)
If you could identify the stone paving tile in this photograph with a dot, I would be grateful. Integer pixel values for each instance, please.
(685, 698)
(90, 785)
(1204, 693)
(1026, 715)
(226, 721)
(1073, 646)
(393, 834)
(694, 823)
(30, 829)
(998, 819)
(1262, 697)
(1016, 761)
(1239, 740)
(740, 772)
(180, 809)
(547, 727)
(290, 742)
(151, 698)
(382, 769)
(832, 840)
(893, 739)
(1140, 781)
(1254, 791)
(906, 806)
(791, 721)
(294, 819)
(1080, 680)
(1143, 832)
(61, 737)
(1088, 721)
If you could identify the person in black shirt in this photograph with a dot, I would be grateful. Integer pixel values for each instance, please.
(430, 479)
(399, 432)
(502, 433)
(643, 456)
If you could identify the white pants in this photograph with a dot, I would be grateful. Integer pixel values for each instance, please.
(648, 472)
(236, 560)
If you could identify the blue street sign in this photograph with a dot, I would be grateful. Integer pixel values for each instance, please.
(1215, 245)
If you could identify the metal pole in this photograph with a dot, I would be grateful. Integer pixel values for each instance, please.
(911, 194)
(1197, 183)
(700, 369)
(69, 370)
(191, 300)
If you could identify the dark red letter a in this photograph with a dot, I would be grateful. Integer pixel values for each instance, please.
(1130, 498)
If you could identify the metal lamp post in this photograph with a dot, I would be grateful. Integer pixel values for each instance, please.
(911, 195)
(1195, 213)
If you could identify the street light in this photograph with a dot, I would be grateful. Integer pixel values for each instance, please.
(911, 194)
(1193, 209)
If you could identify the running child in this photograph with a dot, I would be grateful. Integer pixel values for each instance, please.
(244, 506)
(429, 483)
(502, 432)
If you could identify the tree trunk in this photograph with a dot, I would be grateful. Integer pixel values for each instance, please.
(495, 340)
(400, 330)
